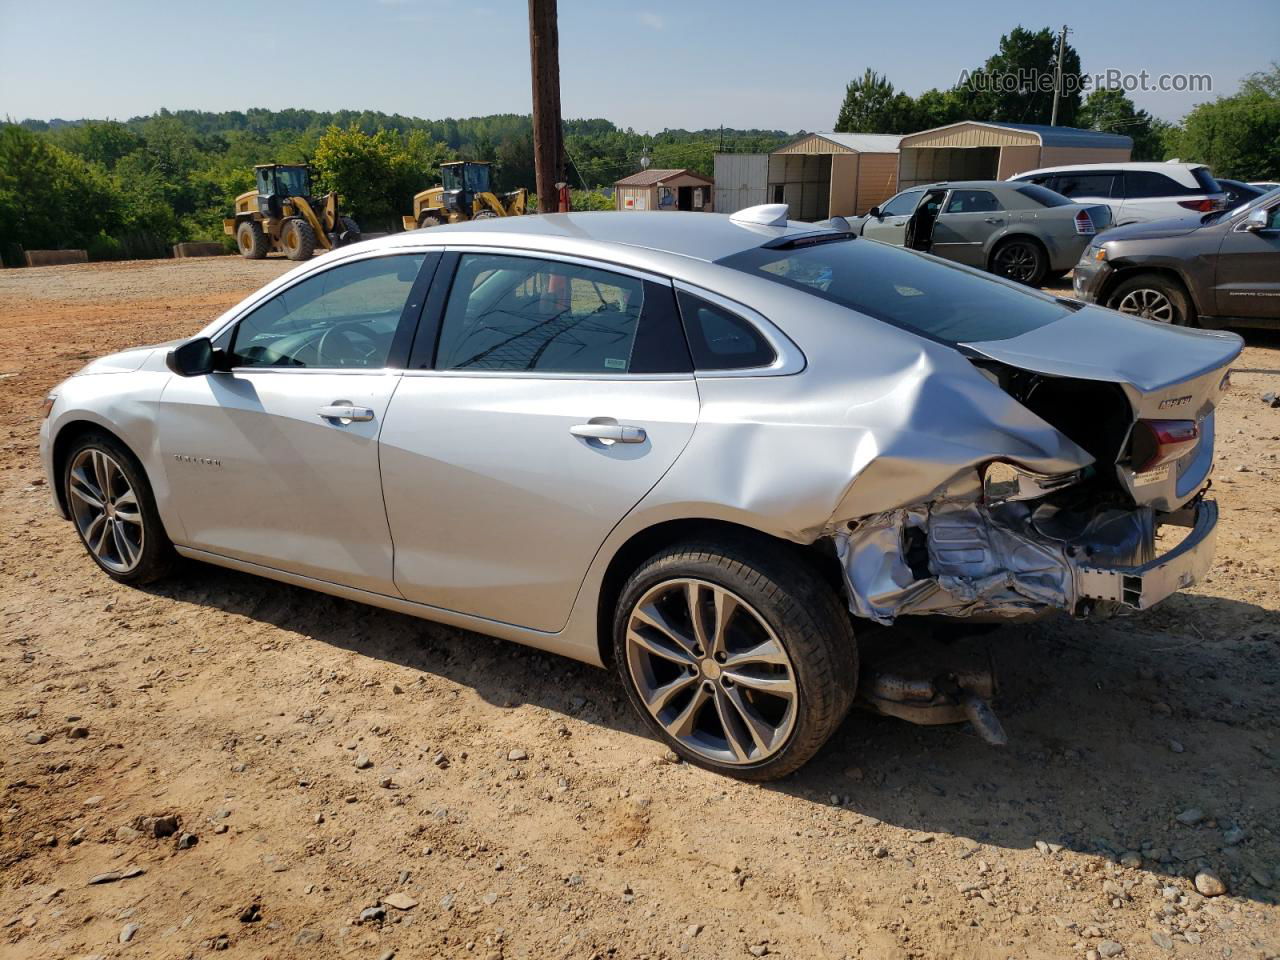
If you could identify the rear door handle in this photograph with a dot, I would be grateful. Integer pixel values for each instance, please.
(617, 432)
(993, 220)
(345, 412)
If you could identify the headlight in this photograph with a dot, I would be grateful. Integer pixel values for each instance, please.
(1096, 252)
(49, 401)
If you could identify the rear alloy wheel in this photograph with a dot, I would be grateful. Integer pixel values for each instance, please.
(112, 507)
(253, 243)
(741, 665)
(1152, 297)
(1020, 260)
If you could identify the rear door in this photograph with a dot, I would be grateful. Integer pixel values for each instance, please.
(967, 221)
(1247, 278)
(895, 215)
(559, 393)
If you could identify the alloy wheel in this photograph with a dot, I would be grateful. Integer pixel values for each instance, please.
(711, 671)
(106, 510)
(1017, 261)
(1148, 303)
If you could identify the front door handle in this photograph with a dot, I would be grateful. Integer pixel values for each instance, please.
(617, 432)
(345, 412)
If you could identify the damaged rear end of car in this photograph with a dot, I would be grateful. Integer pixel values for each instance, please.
(1003, 541)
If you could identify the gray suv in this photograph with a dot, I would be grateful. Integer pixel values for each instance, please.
(1220, 269)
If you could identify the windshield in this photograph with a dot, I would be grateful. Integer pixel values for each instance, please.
(292, 182)
(905, 289)
(477, 177)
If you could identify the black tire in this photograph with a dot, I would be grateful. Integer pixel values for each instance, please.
(785, 595)
(428, 220)
(351, 231)
(155, 555)
(298, 239)
(253, 243)
(1021, 259)
(485, 215)
(1154, 297)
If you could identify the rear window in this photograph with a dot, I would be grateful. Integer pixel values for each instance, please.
(902, 288)
(1043, 195)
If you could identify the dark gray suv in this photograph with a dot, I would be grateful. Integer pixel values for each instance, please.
(1220, 269)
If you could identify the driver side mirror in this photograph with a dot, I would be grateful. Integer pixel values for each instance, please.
(196, 358)
(875, 212)
(1257, 220)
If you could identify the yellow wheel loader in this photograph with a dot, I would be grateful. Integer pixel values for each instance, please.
(464, 194)
(282, 215)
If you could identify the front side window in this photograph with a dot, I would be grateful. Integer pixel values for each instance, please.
(342, 317)
(902, 205)
(972, 201)
(526, 314)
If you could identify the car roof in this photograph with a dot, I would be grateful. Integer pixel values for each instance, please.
(1176, 169)
(964, 185)
(699, 236)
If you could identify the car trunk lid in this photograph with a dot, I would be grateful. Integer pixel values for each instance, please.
(1168, 375)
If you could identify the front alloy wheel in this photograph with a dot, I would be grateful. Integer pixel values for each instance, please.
(106, 510)
(711, 672)
(1147, 303)
(110, 502)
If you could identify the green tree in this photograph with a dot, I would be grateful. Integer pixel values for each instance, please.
(1111, 111)
(1237, 136)
(49, 198)
(376, 175)
(1015, 85)
(871, 105)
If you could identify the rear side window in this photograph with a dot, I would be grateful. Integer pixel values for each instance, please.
(1043, 195)
(1141, 184)
(526, 314)
(972, 201)
(721, 340)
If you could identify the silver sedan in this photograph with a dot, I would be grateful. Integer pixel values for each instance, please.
(1017, 230)
(697, 448)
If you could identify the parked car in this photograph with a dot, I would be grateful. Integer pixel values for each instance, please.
(1239, 192)
(686, 445)
(1020, 231)
(1219, 269)
(1135, 192)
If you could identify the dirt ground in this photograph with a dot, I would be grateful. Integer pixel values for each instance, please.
(489, 801)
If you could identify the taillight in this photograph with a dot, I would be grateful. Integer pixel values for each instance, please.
(1206, 205)
(1157, 442)
(1084, 224)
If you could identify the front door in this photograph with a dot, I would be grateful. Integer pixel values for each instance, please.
(276, 460)
(966, 222)
(560, 395)
(891, 224)
(1247, 279)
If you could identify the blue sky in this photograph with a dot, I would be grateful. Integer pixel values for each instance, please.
(647, 64)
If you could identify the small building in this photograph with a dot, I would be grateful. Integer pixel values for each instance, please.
(978, 150)
(818, 175)
(664, 190)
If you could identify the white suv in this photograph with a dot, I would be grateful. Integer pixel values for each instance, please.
(1135, 192)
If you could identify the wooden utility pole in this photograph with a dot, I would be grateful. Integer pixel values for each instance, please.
(1057, 74)
(544, 59)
